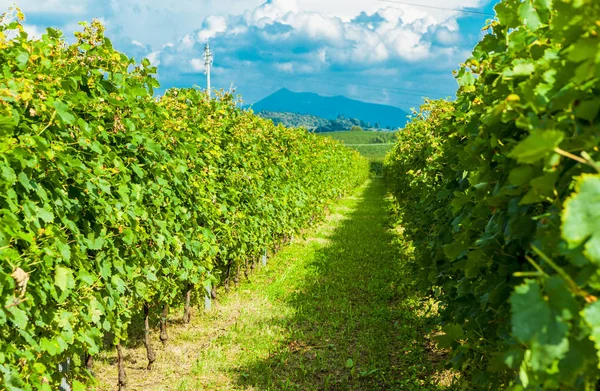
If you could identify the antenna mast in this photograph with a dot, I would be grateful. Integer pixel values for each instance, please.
(208, 61)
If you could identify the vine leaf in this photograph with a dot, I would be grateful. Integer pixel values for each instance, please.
(535, 324)
(63, 112)
(452, 333)
(591, 314)
(22, 59)
(529, 15)
(537, 145)
(19, 317)
(530, 311)
(581, 216)
(63, 278)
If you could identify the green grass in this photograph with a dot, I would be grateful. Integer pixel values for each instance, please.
(364, 137)
(331, 311)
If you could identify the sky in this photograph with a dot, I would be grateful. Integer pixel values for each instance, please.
(371, 50)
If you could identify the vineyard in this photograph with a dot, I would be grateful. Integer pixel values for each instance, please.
(498, 194)
(115, 203)
(119, 207)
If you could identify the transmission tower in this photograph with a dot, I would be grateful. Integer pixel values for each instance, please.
(208, 61)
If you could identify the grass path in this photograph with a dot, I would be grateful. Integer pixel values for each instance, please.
(327, 313)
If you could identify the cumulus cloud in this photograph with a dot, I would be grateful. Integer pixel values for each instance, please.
(285, 36)
(197, 64)
(154, 58)
(57, 7)
(213, 25)
(33, 31)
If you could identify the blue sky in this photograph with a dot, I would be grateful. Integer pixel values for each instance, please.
(371, 50)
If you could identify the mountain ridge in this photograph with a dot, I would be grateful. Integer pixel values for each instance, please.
(310, 103)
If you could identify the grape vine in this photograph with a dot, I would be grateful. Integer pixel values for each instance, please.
(499, 194)
(114, 202)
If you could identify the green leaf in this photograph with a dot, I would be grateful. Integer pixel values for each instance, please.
(63, 278)
(543, 8)
(540, 188)
(465, 78)
(520, 175)
(7, 125)
(46, 215)
(79, 386)
(8, 174)
(535, 324)
(530, 312)
(19, 317)
(349, 363)
(452, 333)
(455, 250)
(64, 249)
(521, 68)
(24, 181)
(86, 277)
(506, 13)
(141, 288)
(22, 59)
(561, 299)
(128, 236)
(529, 15)
(583, 48)
(39, 367)
(63, 112)
(104, 185)
(52, 347)
(588, 110)
(591, 314)
(537, 145)
(93, 242)
(581, 216)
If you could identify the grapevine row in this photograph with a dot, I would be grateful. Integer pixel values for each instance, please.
(115, 203)
(499, 196)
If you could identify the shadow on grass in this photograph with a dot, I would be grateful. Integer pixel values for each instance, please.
(354, 327)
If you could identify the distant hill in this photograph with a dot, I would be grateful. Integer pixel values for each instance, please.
(331, 108)
(312, 122)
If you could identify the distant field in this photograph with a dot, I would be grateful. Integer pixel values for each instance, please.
(362, 137)
(374, 152)
(372, 145)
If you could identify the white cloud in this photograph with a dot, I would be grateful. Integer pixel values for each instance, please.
(187, 42)
(270, 11)
(287, 67)
(33, 31)
(393, 32)
(154, 58)
(316, 26)
(74, 7)
(214, 25)
(197, 64)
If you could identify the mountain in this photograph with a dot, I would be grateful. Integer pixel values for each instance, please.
(313, 123)
(332, 108)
